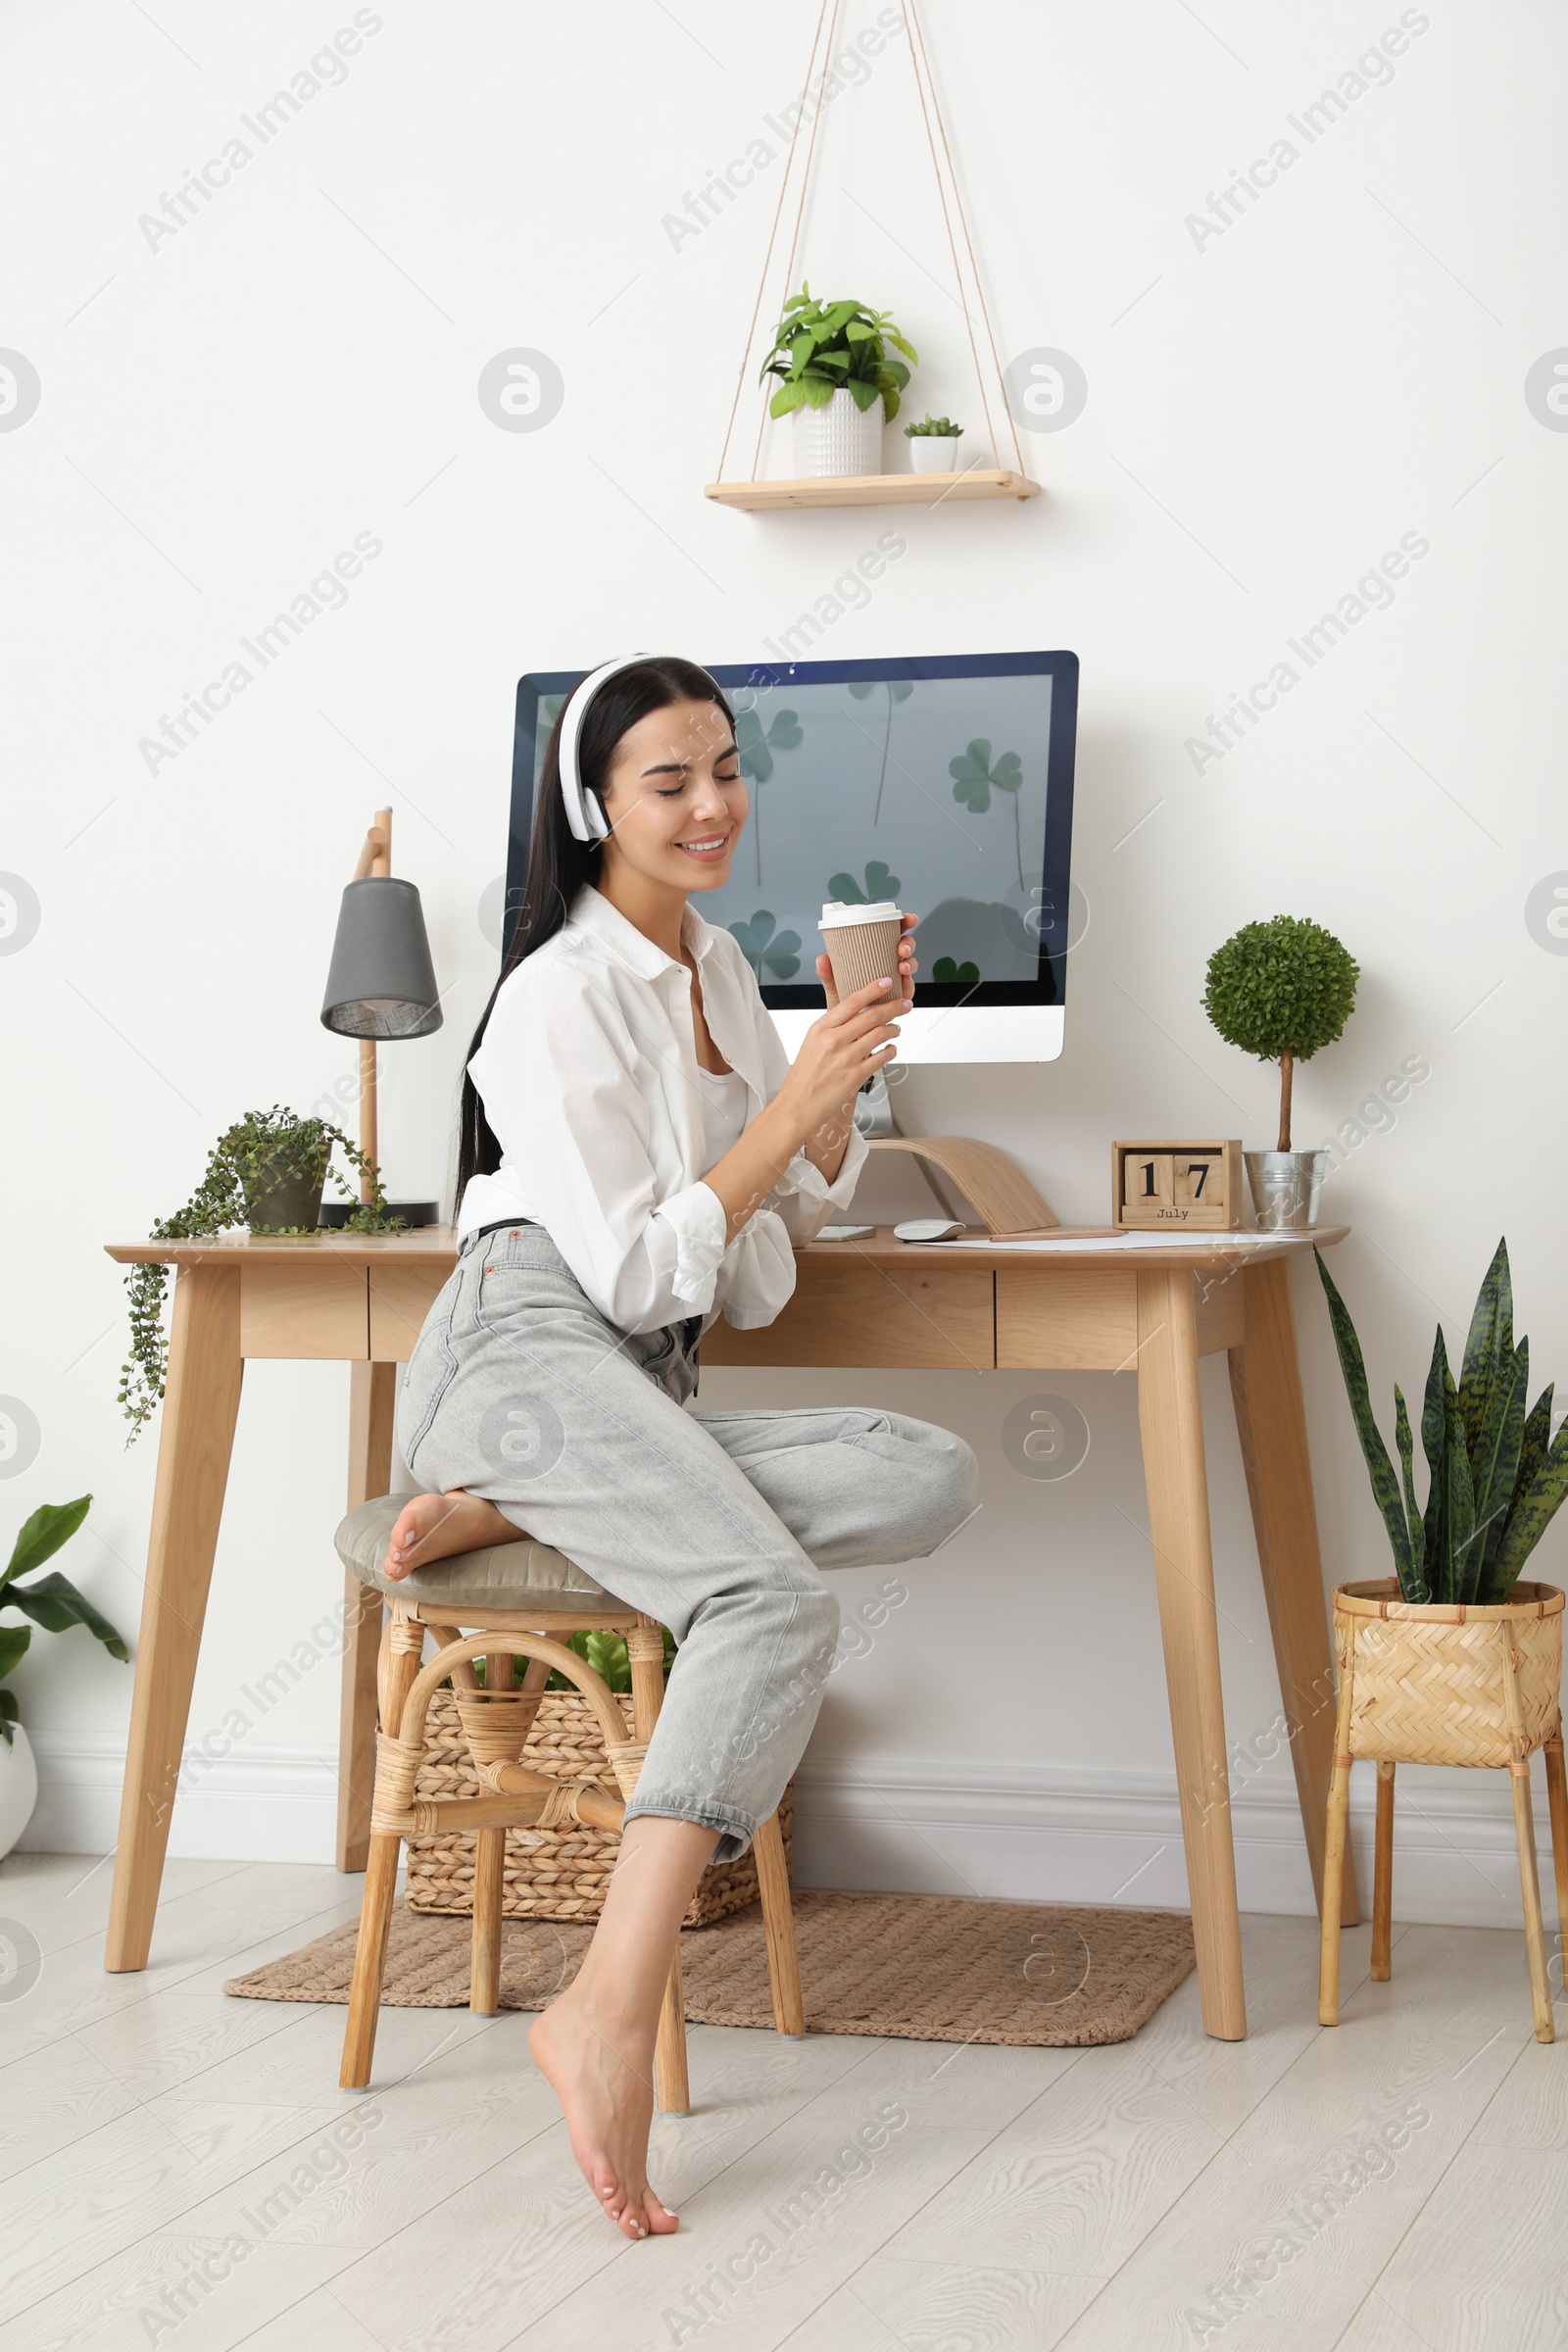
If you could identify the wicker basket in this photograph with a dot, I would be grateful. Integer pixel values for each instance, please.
(1428, 1677)
(550, 1874)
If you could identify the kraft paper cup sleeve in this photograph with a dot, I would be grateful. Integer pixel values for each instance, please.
(861, 952)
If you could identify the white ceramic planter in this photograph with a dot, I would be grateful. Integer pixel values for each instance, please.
(838, 439)
(935, 453)
(19, 1788)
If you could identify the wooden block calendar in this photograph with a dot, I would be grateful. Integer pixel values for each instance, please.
(1161, 1183)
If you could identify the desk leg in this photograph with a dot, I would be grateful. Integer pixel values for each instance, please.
(1266, 1385)
(201, 1402)
(1170, 1413)
(373, 1400)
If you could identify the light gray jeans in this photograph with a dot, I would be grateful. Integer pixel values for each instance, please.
(716, 1524)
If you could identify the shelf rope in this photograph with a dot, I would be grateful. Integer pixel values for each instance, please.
(800, 209)
(917, 40)
(772, 234)
(828, 16)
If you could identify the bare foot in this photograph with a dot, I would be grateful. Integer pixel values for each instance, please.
(433, 1527)
(609, 2103)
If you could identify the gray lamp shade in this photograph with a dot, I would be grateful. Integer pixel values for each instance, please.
(382, 982)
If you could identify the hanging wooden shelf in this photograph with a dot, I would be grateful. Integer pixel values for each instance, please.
(758, 494)
(873, 490)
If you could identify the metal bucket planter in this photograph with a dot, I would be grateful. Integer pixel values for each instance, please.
(1285, 1187)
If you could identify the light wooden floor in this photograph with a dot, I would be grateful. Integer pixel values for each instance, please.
(1105, 2200)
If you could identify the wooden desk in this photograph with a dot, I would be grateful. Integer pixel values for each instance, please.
(1151, 1311)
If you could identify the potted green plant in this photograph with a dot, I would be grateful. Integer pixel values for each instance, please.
(1282, 990)
(1496, 1474)
(934, 444)
(268, 1171)
(838, 381)
(54, 1603)
(1454, 1659)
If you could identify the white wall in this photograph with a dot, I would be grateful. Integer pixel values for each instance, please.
(1270, 408)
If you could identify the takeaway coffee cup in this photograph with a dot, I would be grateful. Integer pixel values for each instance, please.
(862, 944)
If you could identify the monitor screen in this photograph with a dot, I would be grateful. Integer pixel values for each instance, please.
(942, 782)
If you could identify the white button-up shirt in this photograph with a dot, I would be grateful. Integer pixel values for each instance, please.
(588, 1074)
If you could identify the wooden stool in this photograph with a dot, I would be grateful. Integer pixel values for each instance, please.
(521, 1599)
(1440, 1683)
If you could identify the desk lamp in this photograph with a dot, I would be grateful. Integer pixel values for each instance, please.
(381, 984)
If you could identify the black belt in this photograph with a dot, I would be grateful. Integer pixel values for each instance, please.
(499, 1225)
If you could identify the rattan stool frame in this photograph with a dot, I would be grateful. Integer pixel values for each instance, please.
(497, 1717)
(1445, 1684)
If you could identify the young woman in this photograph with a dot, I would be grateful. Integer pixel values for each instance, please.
(638, 1155)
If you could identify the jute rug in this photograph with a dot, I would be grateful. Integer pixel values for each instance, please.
(925, 1968)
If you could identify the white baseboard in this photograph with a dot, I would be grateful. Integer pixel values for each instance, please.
(1042, 1833)
(263, 1804)
(1083, 1835)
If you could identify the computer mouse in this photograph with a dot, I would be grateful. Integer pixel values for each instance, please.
(927, 1228)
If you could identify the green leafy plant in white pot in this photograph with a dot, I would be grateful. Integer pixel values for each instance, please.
(934, 444)
(838, 380)
(53, 1603)
(1282, 990)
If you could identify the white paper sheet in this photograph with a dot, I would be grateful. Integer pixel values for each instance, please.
(1070, 1244)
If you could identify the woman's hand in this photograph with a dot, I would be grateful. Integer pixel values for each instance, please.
(854, 1038)
(838, 1054)
(813, 1109)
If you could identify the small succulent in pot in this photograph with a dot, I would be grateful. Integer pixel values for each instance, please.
(934, 444)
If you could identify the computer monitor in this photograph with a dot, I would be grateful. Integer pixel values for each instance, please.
(942, 781)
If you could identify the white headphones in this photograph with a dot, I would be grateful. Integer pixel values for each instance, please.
(584, 815)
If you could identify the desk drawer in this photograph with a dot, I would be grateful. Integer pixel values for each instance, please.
(1066, 1318)
(305, 1311)
(850, 1313)
(401, 1296)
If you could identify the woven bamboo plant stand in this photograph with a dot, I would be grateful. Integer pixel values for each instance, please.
(559, 1873)
(496, 1718)
(1440, 1683)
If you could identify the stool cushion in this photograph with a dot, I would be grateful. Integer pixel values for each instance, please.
(499, 1576)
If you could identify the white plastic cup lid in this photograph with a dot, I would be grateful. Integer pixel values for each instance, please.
(836, 914)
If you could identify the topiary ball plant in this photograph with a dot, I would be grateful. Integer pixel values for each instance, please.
(1281, 989)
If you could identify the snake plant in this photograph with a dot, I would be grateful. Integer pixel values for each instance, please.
(1496, 1474)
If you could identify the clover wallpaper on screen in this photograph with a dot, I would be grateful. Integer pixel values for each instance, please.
(928, 791)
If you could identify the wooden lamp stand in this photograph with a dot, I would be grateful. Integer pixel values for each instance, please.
(375, 859)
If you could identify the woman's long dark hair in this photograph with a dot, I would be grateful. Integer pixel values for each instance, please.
(558, 864)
